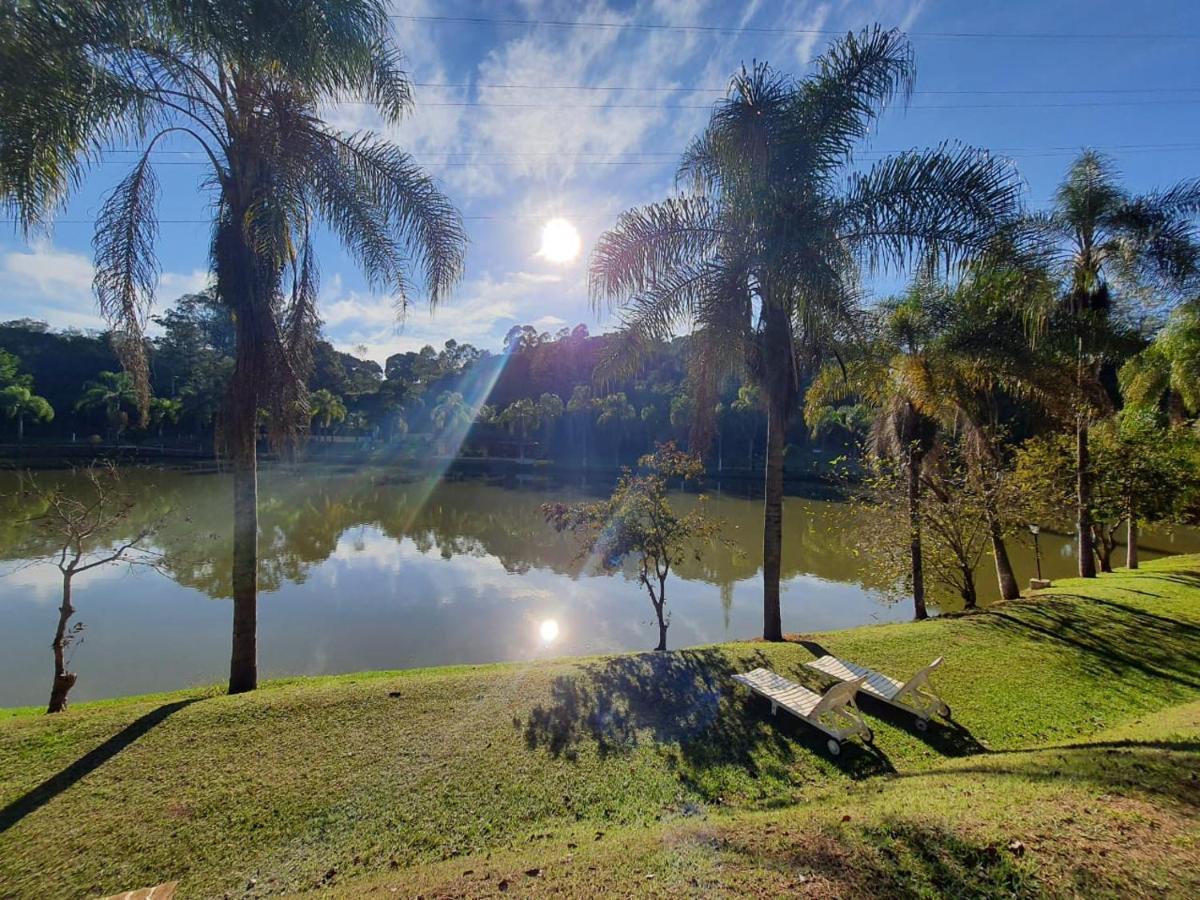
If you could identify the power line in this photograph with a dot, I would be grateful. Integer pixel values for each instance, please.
(721, 90)
(750, 29)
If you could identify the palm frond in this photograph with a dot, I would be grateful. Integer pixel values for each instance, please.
(649, 243)
(126, 271)
(950, 201)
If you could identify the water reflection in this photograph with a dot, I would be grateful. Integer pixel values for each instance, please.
(369, 569)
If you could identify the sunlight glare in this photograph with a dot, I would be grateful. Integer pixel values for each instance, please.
(548, 630)
(560, 241)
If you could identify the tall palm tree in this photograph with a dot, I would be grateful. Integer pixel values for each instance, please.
(452, 416)
(20, 403)
(112, 392)
(762, 255)
(1103, 240)
(892, 376)
(245, 84)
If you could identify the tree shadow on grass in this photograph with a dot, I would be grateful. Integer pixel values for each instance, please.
(35, 799)
(1161, 769)
(894, 858)
(1112, 639)
(684, 700)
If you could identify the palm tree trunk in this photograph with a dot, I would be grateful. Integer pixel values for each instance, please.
(773, 520)
(1083, 503)
(1009, 589)
(914, 524)
(63, 680)
(20, 428)
(243, 663)
(1131, 548)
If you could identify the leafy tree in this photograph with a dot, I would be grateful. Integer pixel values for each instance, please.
(1103, 241)
(762, 256)
(165, 411)
(113, 392)
(452, 416)
(890, 376)
(247, 83)
(637, 522)
(614, 412)
(326, 408)
(550, 409)
(1170, 367)
(21, 403)
(521, 417)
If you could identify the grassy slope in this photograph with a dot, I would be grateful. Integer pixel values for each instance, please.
(408, 780)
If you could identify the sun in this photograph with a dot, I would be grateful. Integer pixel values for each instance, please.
(548, 631)
(560, 241)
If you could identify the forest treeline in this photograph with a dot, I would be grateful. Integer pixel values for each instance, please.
(543, 396)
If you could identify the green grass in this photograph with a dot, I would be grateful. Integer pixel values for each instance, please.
(408, 779)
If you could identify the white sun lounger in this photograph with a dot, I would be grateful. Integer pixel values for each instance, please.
(833, 713)
(916, 695)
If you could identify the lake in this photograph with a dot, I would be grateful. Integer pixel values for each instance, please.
(374, 569)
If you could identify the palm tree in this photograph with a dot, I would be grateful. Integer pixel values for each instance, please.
(20, 403)
(762, 257)
(245, 84)
(891, 376)
(1169, 367)
(326, 407)
(521, 417)
(165, 411)
(1101, 238)
(112, 392)
(551, 409)
(614, 412)
(452, 416)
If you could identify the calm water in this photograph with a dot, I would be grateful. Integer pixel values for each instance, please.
(366, 569)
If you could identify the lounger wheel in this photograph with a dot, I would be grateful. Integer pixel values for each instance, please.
(922, 724)
(946, 711)
(834, 747)
(868, 736)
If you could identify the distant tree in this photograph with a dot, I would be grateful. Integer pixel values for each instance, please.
(326, 408)
(614, 413)
(17, 399)
(452, 417)
(20, 403)
(114, 393)
(165, 411)
(521, 417)
(762, 256)
(638, 522)
(550, 410)
(581, 409)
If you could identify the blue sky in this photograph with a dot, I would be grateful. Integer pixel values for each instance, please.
(514, 157)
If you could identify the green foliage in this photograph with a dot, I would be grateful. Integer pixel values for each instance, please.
(638, 523)
(326, 408)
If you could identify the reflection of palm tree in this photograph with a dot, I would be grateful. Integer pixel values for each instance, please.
(251, 98)
(110, 391)
(762, 257)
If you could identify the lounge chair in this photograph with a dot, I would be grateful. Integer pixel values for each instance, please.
(916, 695)
(833, 713)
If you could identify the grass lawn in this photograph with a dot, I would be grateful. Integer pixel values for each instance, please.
(1072, 767)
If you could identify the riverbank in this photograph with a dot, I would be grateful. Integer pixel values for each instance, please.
(1069, 768)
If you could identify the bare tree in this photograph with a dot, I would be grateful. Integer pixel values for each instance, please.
(80, 525)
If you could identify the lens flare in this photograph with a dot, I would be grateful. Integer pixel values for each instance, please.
(548, 631)
(560, 241)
